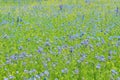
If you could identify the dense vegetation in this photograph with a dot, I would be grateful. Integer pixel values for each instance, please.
(60, 40)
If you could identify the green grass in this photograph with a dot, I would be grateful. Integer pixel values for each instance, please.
(27, 26)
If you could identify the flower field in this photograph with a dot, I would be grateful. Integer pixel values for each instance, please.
(59, 39)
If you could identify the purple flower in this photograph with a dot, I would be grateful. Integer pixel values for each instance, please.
(101, 58)
(6, 79)
(72, 37)
(61, 7)
(11, 77)
(40, 49)
(76, 71)
(47, 43)
(85, 42)
(14, 57)
(117, 10)
(98, 66)
(22, 55)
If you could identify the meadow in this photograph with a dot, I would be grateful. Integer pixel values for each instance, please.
(59, 39)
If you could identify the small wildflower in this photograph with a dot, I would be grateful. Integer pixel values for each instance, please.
(20, 48)
(41, 74)
(37, 76)
(33, 70)
(59, 49)
(114, 72)
(101, 58)
(109, 57)
(85, 42)
(47, 43)
(28, 39)
(40, 49)
(79, 61)
(110, 52)
(71, 49)
(6, 79)
(32, 78)
(118, 37)
(72, 37)
(56, 79)
(14, 57)
(26, 71)
(53, 64)
(8, 61)
(117, 10)
(61, 7)
(68, 62)
(65, 70)
(11, 77)
(5, 36)
(76, 71)
(46, 72)
(22, 55)
(48, 59)
(45, 64)
(98, 66)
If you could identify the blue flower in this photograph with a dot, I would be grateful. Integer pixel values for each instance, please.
(47, 43)
(98, 66)
(6, 79)
(71, 49)
(61, 7)
(46, 72)
(85, 42)
(114, 72)
(40, 49)
(20, 48)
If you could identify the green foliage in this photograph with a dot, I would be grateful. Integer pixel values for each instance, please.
(59, 40)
